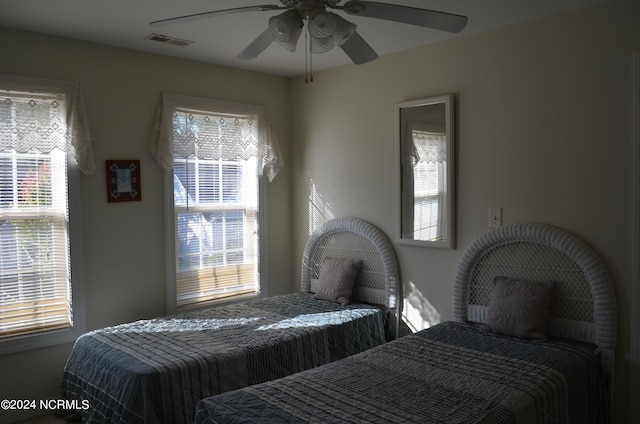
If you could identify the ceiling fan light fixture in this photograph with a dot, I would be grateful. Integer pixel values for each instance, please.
(322, 45)
(286, 29)
(322, 24)
(344, 30)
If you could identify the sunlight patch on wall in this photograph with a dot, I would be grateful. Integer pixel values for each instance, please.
(417, 312)
(320, 210)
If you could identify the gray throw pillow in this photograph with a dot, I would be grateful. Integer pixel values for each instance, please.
(337, 277)
(520, 308)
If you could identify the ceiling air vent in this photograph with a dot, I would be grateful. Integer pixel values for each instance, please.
(168, 40)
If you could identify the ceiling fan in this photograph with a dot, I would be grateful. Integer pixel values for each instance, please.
(326, 29)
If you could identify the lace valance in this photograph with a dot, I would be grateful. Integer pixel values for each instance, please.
(52, 116)
(428, 147)
(210, 129)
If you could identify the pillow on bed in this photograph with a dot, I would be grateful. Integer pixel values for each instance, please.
(337, 277)
(519, 308)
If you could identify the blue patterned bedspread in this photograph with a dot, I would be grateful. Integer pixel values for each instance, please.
(450, 373)
(155, 371)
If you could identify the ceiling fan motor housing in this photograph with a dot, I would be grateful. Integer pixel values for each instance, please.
(291, 3)
(306, 7)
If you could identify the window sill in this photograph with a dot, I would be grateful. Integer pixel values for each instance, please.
(39, 340)
(220, 302)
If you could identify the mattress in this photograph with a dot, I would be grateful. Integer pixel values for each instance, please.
(155, 371)
(450, 373)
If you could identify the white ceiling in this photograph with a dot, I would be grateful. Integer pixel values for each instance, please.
(125, 23)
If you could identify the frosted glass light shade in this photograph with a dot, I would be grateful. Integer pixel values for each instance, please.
(322, 24)
(286, 29)
(322, 45)
(344, 30)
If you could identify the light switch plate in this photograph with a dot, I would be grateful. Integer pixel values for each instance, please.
(495, 217)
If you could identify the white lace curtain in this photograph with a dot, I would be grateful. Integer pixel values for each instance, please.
(428, 147)
(67, 130)
(210, 129)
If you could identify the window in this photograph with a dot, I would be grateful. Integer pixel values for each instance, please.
(430, 186)
(34, 258)
(38, 198)
(218, 153)
(216, 228)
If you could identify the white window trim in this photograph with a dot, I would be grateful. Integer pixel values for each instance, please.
(66, 335)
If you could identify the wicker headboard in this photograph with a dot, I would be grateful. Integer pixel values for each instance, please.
(584, 304)
(378, 281)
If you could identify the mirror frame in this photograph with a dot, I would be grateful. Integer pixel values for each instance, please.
(450, 241)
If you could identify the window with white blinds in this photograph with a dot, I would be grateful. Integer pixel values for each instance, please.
(35, 278)
(215, 209)
(430, 186)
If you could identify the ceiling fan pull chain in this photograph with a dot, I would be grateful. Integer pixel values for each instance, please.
(310, 63)
(308, 55)
(306, 59)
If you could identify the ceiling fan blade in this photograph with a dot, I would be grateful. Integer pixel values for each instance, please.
(358, 49)
(257, 46)
(206, 15)
(407, 15)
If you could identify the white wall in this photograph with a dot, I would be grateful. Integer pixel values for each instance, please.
(124, 242)
(544, 131)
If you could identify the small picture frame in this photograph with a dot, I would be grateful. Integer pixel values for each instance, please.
(123, 180)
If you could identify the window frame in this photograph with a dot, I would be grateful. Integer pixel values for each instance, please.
(44, 338)
(263, 145)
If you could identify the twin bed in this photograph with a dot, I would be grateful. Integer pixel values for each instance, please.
(155, 371)
(499, 361)
(532, 340)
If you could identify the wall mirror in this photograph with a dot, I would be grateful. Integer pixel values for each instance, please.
(426, 160)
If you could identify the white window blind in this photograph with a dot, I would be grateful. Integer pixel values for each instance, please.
(35, 292)
(216, 213)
